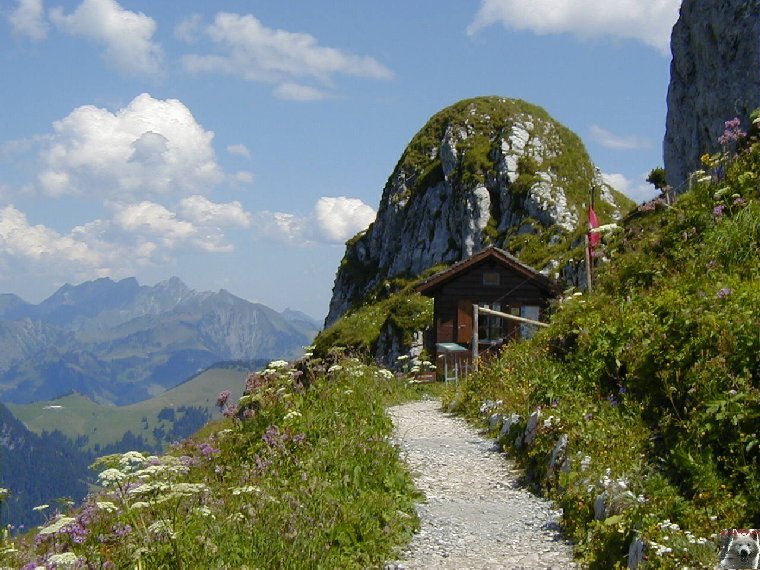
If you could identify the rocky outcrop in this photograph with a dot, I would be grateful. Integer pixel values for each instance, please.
(714, 77)
(485, 171)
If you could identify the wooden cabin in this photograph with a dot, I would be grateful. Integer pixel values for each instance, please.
(492, 279)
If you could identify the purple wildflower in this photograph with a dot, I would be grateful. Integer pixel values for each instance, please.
(221, 400)
(299, 438)
(261, 464)
(724, 292)
(272, 437)
(718, 210)
(732, 131)
(121, 530)
(231, 411)
(76, 532)
(612, 400)
(739, 201)
(207, 449)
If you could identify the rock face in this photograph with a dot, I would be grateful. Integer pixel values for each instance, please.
(483, 171)
(714, 77)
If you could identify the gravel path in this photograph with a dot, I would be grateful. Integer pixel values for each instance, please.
(476, 515)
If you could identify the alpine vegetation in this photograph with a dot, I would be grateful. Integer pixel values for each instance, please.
(300, 473)
(638, 409)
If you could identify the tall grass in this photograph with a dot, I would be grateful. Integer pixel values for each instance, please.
(301, 474)
(652, 382)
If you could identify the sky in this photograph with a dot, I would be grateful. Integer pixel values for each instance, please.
(237, 144)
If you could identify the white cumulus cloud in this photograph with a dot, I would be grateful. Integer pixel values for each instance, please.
(154, 219)
(616, 142)
(28, 20)
(147, 148)
(39, 243)
(127, 36)
(637, 190)
(247, 48)
(333, 220)
(339, 218)
(201, 210)
(648, 21)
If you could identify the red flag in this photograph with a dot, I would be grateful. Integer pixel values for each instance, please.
(594, 238)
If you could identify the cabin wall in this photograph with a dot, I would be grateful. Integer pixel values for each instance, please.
(454, 300)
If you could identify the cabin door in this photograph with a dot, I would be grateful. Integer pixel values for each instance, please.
(464, 321)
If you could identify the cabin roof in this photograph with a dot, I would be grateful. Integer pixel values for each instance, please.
(432, 284)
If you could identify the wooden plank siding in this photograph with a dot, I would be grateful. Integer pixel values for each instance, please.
(509, 283)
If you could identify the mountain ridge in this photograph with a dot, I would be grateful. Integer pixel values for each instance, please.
(120, 342)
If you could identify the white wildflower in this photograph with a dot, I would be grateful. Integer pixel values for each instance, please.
(111, 477)
(205, 511)
(131, 458)
(292, 414)
(57, 525)
(277, 364)
(161, 529)
(63, 559)
(106, 506)
(187, 489)
(41, 507)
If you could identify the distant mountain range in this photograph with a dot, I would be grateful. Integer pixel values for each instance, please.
(120, 342)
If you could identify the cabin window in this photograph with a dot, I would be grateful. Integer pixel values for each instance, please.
(491, 279)
(532, 312)
(490, 327)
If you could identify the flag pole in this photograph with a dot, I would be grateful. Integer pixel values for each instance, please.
(588, 265)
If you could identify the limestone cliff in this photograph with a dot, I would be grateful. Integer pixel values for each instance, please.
(714, 77)
(483, 171)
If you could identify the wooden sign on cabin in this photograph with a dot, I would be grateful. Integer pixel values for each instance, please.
(492, 279)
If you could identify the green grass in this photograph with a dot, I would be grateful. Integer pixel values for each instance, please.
(79, 416)
(300, 475)
(654, 380)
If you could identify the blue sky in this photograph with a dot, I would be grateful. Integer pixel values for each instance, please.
(239, 144)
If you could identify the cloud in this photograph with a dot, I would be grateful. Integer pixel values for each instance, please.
(136, 235)
(297, 92)
(189, 29)
(201, 210)
(127, 36)
(150, 147)
(149, 218)
(616, 142)
(637, 190)
(239, 149)
(38, 244)
(333, 221)
(648, 21)
(28, 20)
(341, 218)
(248, 49)
(243, 177)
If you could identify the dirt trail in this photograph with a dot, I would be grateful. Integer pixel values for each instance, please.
(476, 515)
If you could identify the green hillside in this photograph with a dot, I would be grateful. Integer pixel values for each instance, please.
(646, 393)
(76, 416)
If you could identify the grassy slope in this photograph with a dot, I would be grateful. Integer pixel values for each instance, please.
(79, 415)
(654, 380)
(304, 477)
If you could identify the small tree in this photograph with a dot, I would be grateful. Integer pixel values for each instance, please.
(657, 178)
